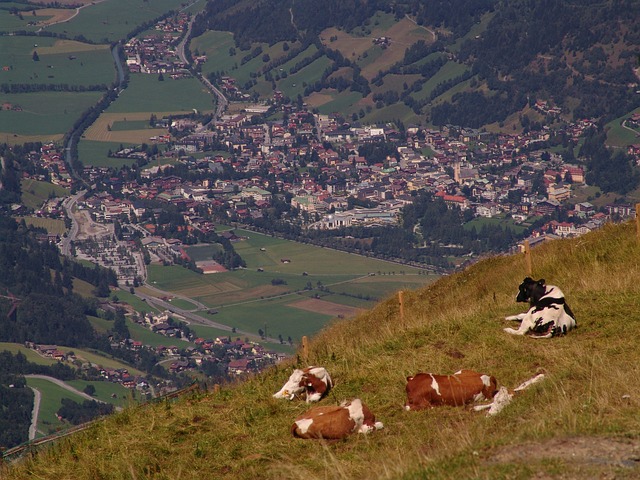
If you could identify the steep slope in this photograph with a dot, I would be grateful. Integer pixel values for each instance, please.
(580, 422)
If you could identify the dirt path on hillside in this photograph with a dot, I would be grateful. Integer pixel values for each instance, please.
(603, 454)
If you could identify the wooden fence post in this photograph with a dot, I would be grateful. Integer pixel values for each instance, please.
(401, 300)
(527, 258)
(216, 389)
(305, 348)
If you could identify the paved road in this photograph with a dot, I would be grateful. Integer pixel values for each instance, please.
(194, 317)
(222, 100)
(64, 385)
(33, 429)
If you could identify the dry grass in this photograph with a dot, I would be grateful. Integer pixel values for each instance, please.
(589, 398)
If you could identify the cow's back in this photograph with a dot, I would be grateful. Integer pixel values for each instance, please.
(329, 422)
(428, 390)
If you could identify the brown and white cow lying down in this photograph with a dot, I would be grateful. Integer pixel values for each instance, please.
(311, 383)
(335, 422)
(426, 390)
(548, 315)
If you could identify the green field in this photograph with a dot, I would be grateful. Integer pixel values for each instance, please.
(479, 222)
(146, 93)
(32, 355)
(244, 298)
(105, 22)
(294, 84)
(100, 359)
(448, 71)
(60, 62)
(397, 110)
(105, 390)
(198, 253)
(51, 225)
(343, 102)
(35, 192)
(620, 136)
(137, 304)
(119, 126)
(43, 113)
(50, 403)
(93, 152)
(12, 23)
(216, 46)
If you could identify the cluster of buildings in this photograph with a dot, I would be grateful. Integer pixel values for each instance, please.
(155, 53)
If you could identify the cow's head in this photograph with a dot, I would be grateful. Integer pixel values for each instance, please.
(531, 290)
(294, 386)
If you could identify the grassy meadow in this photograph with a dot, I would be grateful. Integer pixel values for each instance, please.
(50, 403)
(60, 62)
(35, 192)
(579, 422)
(43, 114)
(109, 21)
(146, 93)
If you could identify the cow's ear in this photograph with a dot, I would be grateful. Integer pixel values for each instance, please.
(541, 281)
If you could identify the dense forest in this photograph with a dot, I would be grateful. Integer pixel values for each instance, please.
(580, 56)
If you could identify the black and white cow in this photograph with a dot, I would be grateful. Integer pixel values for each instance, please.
(548, 314)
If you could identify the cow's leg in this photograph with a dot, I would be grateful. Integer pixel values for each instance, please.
(520, 316)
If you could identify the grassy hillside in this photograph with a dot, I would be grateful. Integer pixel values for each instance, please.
(580, 422)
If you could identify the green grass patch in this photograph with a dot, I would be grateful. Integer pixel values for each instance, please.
(619, 135)
(32, 355)
(449, 71)
(501, 221)
(13, 23)
(119, 126)
(147, 337)
(108, 392)
(61, 62)
(36, 192)
(344, 102)
(396, 111)
(98, 358)
(51, 225)
(294, 84)
(146, 93)
(50, 403)
(215, 45)
(95, 153)
(109, 21)
(198, 253)
(137, 304)
(44, 113)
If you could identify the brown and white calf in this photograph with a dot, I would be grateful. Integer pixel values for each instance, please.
(427, 390)
(335, 422)
(311, 384)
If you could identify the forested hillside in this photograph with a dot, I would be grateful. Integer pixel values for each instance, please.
(484, 62)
